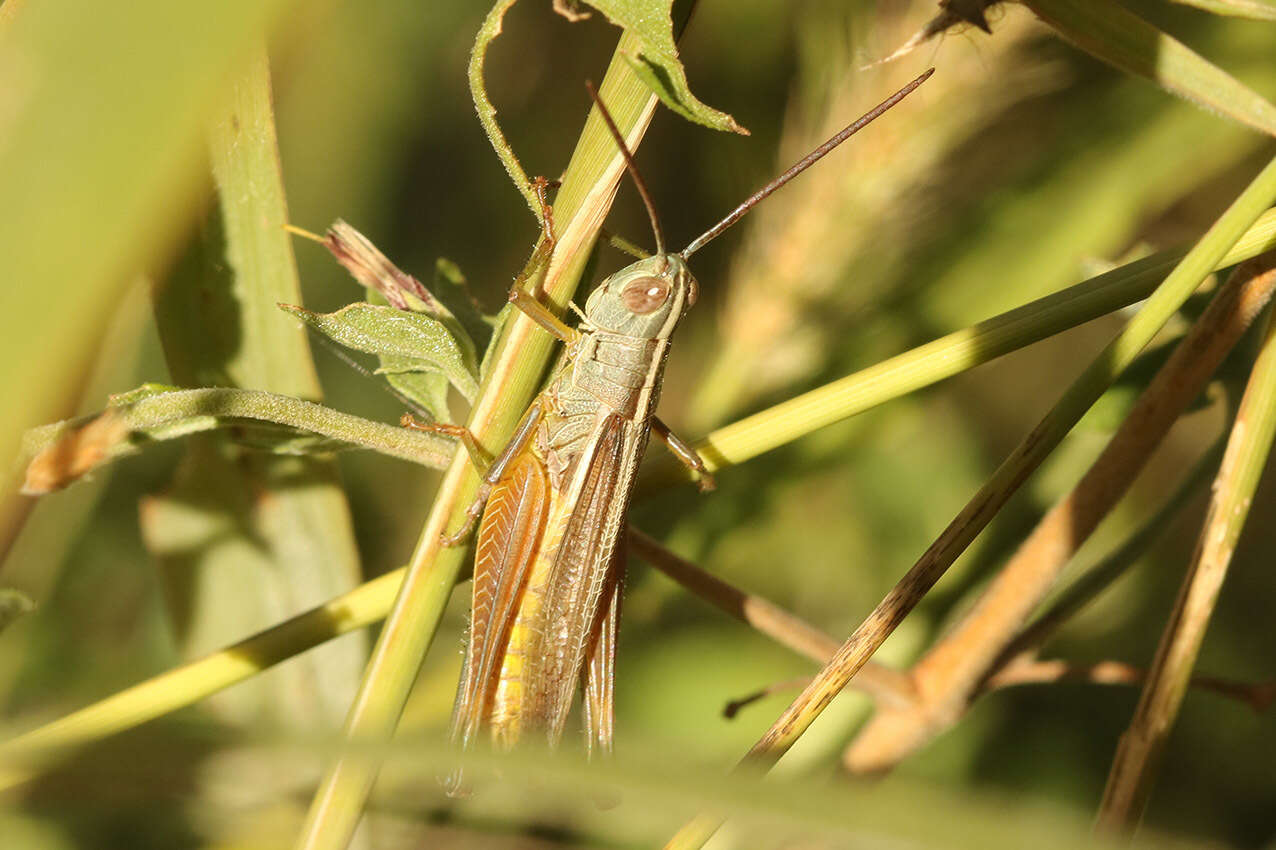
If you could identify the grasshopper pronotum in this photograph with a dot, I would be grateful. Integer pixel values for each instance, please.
(549, 556)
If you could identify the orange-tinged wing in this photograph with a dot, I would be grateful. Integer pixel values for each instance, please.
(508, 539)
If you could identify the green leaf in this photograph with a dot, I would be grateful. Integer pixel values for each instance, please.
(1119, 37)
(656, 62)
(423, 343)
(1259, 10)
(429, 390)
(489, 30)
(447, 300)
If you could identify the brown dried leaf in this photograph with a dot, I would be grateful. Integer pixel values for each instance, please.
(75, 454)
(372, 269)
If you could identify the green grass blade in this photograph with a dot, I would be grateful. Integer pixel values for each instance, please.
(157, 68)
(1117, 36)
(239, 543)
(948, 356)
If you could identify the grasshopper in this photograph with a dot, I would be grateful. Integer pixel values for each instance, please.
(549, 558)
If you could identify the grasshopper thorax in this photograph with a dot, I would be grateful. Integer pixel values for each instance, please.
(646, 299)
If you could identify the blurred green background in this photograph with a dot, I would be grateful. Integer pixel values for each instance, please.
(1019, 169)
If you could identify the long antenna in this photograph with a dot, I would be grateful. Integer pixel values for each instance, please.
(802, 165)
(631, 165)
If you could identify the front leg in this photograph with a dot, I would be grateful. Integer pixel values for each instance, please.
(685, 454)
(519, 296)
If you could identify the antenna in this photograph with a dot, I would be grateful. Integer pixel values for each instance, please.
(631, 165)
(802, 165)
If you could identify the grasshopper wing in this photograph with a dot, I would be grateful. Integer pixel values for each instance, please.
(600, 665)
(576, 598)
(509, 538)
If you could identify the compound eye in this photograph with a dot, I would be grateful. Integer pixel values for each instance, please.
(645, 295)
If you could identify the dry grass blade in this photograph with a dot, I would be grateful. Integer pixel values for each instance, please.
(1139, 750)
(1257, 696)
(949, 675)
(1113, 566)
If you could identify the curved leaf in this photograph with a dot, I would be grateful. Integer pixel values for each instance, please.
(417, 342)
(656, 62)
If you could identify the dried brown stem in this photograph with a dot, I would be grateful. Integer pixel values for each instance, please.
(888, 687)
(1140, 748)
(1101, 576)
(948, 676)
(1257, 695)
(1025, 670)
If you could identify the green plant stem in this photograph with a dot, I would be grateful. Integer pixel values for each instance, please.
(23, 756)
(178, 412)
(1139, 750)
(175, 413)
(589, 185)
(1200, 261)
(949, 355)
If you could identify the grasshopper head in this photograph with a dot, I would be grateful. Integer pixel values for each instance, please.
(646, 299)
